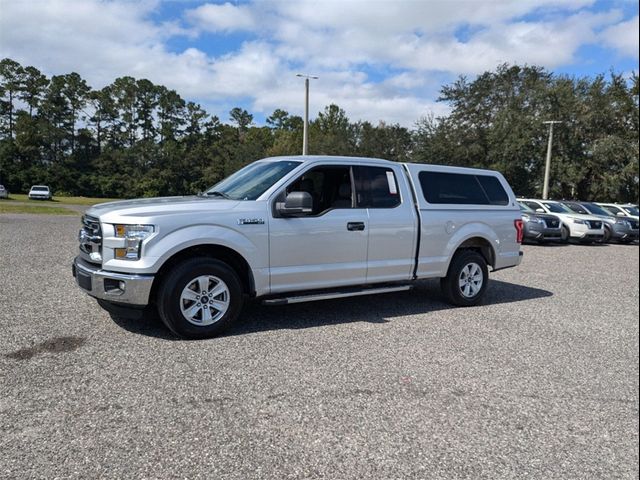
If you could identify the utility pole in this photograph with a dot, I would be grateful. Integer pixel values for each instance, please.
(305, 128)
(547, 168)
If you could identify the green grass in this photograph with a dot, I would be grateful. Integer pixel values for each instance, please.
(48, 210)
(61, 200)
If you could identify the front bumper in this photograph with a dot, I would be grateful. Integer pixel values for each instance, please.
(624, 234)
(540, 233)
(124, 288)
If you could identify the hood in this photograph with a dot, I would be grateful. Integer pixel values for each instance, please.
(609, 218)
(146, 207)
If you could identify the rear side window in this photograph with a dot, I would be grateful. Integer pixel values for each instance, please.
(494, 190)
(462, 189)
(376, 187)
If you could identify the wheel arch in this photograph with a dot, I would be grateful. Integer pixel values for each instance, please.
(479, 244)
(218, 252)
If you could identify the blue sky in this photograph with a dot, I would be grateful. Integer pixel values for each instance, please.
(379, 60)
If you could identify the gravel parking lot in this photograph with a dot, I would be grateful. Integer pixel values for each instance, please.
(540, 382)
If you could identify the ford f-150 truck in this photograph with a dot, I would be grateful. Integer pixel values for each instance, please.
(293, 229)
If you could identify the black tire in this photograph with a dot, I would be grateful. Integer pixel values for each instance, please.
(607, 235)
(565, 234)
(450, 284)
(176, 282)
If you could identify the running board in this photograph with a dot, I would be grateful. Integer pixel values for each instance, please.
(313, 297)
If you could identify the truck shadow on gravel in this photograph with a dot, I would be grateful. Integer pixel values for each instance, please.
(423, 299)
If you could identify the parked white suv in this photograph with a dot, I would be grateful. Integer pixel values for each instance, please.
(40, 192)
(295, 229)
(575, 226)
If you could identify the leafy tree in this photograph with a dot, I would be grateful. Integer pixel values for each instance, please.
(11, 82)
(135, 138)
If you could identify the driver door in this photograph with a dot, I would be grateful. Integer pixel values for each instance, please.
(326, 248)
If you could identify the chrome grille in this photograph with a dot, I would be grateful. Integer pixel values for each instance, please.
(90, 238)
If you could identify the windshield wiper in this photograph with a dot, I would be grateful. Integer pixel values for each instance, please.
(219, 194)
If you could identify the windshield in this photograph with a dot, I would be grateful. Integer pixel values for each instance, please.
(252, 181)
(631, 210)
(524, 208)
(612, 210)
(597, 210)
(557, 208)
(45, 189)
(576, 208)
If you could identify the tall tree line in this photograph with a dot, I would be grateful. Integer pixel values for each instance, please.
(134, 138)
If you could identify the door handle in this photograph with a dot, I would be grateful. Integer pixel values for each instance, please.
(355, 226)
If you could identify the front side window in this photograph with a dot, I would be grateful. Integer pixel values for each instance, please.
(632, 211)
(376, 187)
(252, 181)
(329, 186)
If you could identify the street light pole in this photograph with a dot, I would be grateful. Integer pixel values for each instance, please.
(547, 168)
(305, 128)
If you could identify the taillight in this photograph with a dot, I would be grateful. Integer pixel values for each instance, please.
(519, 229)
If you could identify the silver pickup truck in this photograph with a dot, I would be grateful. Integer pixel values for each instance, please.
(294, 229)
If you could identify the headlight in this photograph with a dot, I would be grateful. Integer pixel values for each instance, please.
(529, 219)
(579, 221)
(133, 236)
(623, 223)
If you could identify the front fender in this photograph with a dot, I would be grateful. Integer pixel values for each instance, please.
(252, 244)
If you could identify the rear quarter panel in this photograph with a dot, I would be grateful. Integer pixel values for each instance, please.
(445, 227)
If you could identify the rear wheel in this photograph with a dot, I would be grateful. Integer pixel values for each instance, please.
(200, 298)
(607, 235)
(564, 234)
(466, 280)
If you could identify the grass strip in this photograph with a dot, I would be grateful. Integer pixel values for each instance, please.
(47, 210)
(61, 200)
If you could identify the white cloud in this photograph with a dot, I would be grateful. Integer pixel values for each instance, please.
(379, 60)
(226, 17)
(623, 37)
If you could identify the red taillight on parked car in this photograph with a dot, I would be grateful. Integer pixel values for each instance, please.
(519, 229)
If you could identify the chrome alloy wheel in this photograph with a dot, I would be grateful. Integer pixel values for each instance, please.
(470, 280)
(204, 300)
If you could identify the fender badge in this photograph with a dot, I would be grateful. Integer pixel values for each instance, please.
(250, 221)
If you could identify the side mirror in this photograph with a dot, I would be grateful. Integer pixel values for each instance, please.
(540, 210)
(620, 214)
(296, 203)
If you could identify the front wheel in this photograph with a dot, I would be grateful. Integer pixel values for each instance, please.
(564, 234)
(466, 280)
(200, 298)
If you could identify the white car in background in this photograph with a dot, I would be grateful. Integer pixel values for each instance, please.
(4, 193)
(582, 228)
(40, 192)
(630, 211)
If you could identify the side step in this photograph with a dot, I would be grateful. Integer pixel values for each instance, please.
(313, 297)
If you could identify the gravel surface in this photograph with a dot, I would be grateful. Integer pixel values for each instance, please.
(539, 382)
